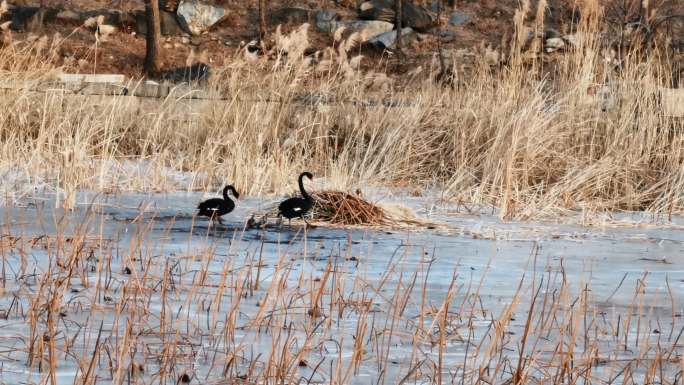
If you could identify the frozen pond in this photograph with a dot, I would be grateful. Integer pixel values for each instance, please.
(134, 289)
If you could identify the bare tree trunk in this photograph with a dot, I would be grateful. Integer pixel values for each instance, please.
(152, 54)
(262, 21)
(397, 17)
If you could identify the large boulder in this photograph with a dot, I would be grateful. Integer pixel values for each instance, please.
(27, 18)
(554, 44)
(414, 16)
(196, 16)
(366, 29)
(388, 39)
(458, 18)
(111, 17)
(327, 20)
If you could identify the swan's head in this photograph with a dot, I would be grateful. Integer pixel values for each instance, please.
(307, 174)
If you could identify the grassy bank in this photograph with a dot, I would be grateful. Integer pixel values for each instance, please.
(536, 137)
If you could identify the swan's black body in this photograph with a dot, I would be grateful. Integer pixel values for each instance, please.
(215, 208)
(297, 207)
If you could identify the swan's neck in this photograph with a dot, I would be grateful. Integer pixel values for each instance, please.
(301, 188)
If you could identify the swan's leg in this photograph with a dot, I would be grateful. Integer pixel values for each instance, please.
(309, 225)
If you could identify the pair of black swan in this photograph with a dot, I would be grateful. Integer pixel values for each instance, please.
(295, 207)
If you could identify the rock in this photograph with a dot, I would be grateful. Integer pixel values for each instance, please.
(35, 23)
(115, 18)
(327, 20)
(291, 15)
(458, 18)
(367, 29)
(169, 23)
(92, 78)
(554, 44)
(69, 16)
(19, 15)
(414, 16)
(491, 57)
(105, 30)
(388, 39)
(447, 35)
(575, 40)
(196, 17)
(550, 33)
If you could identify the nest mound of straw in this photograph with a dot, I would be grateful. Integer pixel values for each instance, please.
(342, 208)
(347, 209)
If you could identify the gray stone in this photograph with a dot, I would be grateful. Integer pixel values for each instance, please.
(115, 18)
(554, 44)
(92, 78)
(366, 29)
(414, 16)
(388, 39)
(447, 35)
(169, 24)
(327, 20)
(575, 40)
(69, 16)
(196, 17)
(458, 18)
(30, 19)
(551, 33)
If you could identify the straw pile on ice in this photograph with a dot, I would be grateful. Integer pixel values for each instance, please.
(342, 208)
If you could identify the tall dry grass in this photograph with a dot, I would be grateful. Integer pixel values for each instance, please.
(533, 137)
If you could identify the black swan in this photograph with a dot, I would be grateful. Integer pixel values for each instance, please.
(297, 207)
(215, 208)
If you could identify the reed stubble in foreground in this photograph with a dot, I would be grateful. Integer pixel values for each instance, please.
(136, 301)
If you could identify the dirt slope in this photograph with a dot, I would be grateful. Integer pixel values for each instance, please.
(488, 21)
